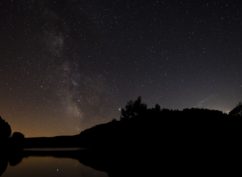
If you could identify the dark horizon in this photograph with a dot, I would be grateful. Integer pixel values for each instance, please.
(236, 109)
(133, 114)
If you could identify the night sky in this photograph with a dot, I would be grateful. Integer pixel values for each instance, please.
(66, 65)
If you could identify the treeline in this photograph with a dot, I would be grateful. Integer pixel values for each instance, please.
(140, 126)
(154, 127)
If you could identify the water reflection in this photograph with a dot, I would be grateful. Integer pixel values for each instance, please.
(45, 163)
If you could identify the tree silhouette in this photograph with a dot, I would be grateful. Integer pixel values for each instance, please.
(5, 130)
(17, 140)
(17, 136)
(133, 109)
(3, 164)
(237, 111)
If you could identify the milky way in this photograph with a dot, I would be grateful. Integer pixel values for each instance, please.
(66, 65)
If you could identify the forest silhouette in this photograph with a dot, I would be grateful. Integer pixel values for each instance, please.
(142, 140)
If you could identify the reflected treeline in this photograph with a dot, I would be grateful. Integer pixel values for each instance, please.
(9, 157)
(113, 166)
(144, 140)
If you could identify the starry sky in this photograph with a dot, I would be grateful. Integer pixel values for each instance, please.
(66, 65)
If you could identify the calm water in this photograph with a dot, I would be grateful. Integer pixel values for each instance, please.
(51, 167)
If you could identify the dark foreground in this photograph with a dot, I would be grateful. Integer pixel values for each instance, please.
(148, 141)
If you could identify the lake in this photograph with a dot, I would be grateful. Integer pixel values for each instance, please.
(51, 167)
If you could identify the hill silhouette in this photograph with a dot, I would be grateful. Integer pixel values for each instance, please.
(161, 140)
(142, 126)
